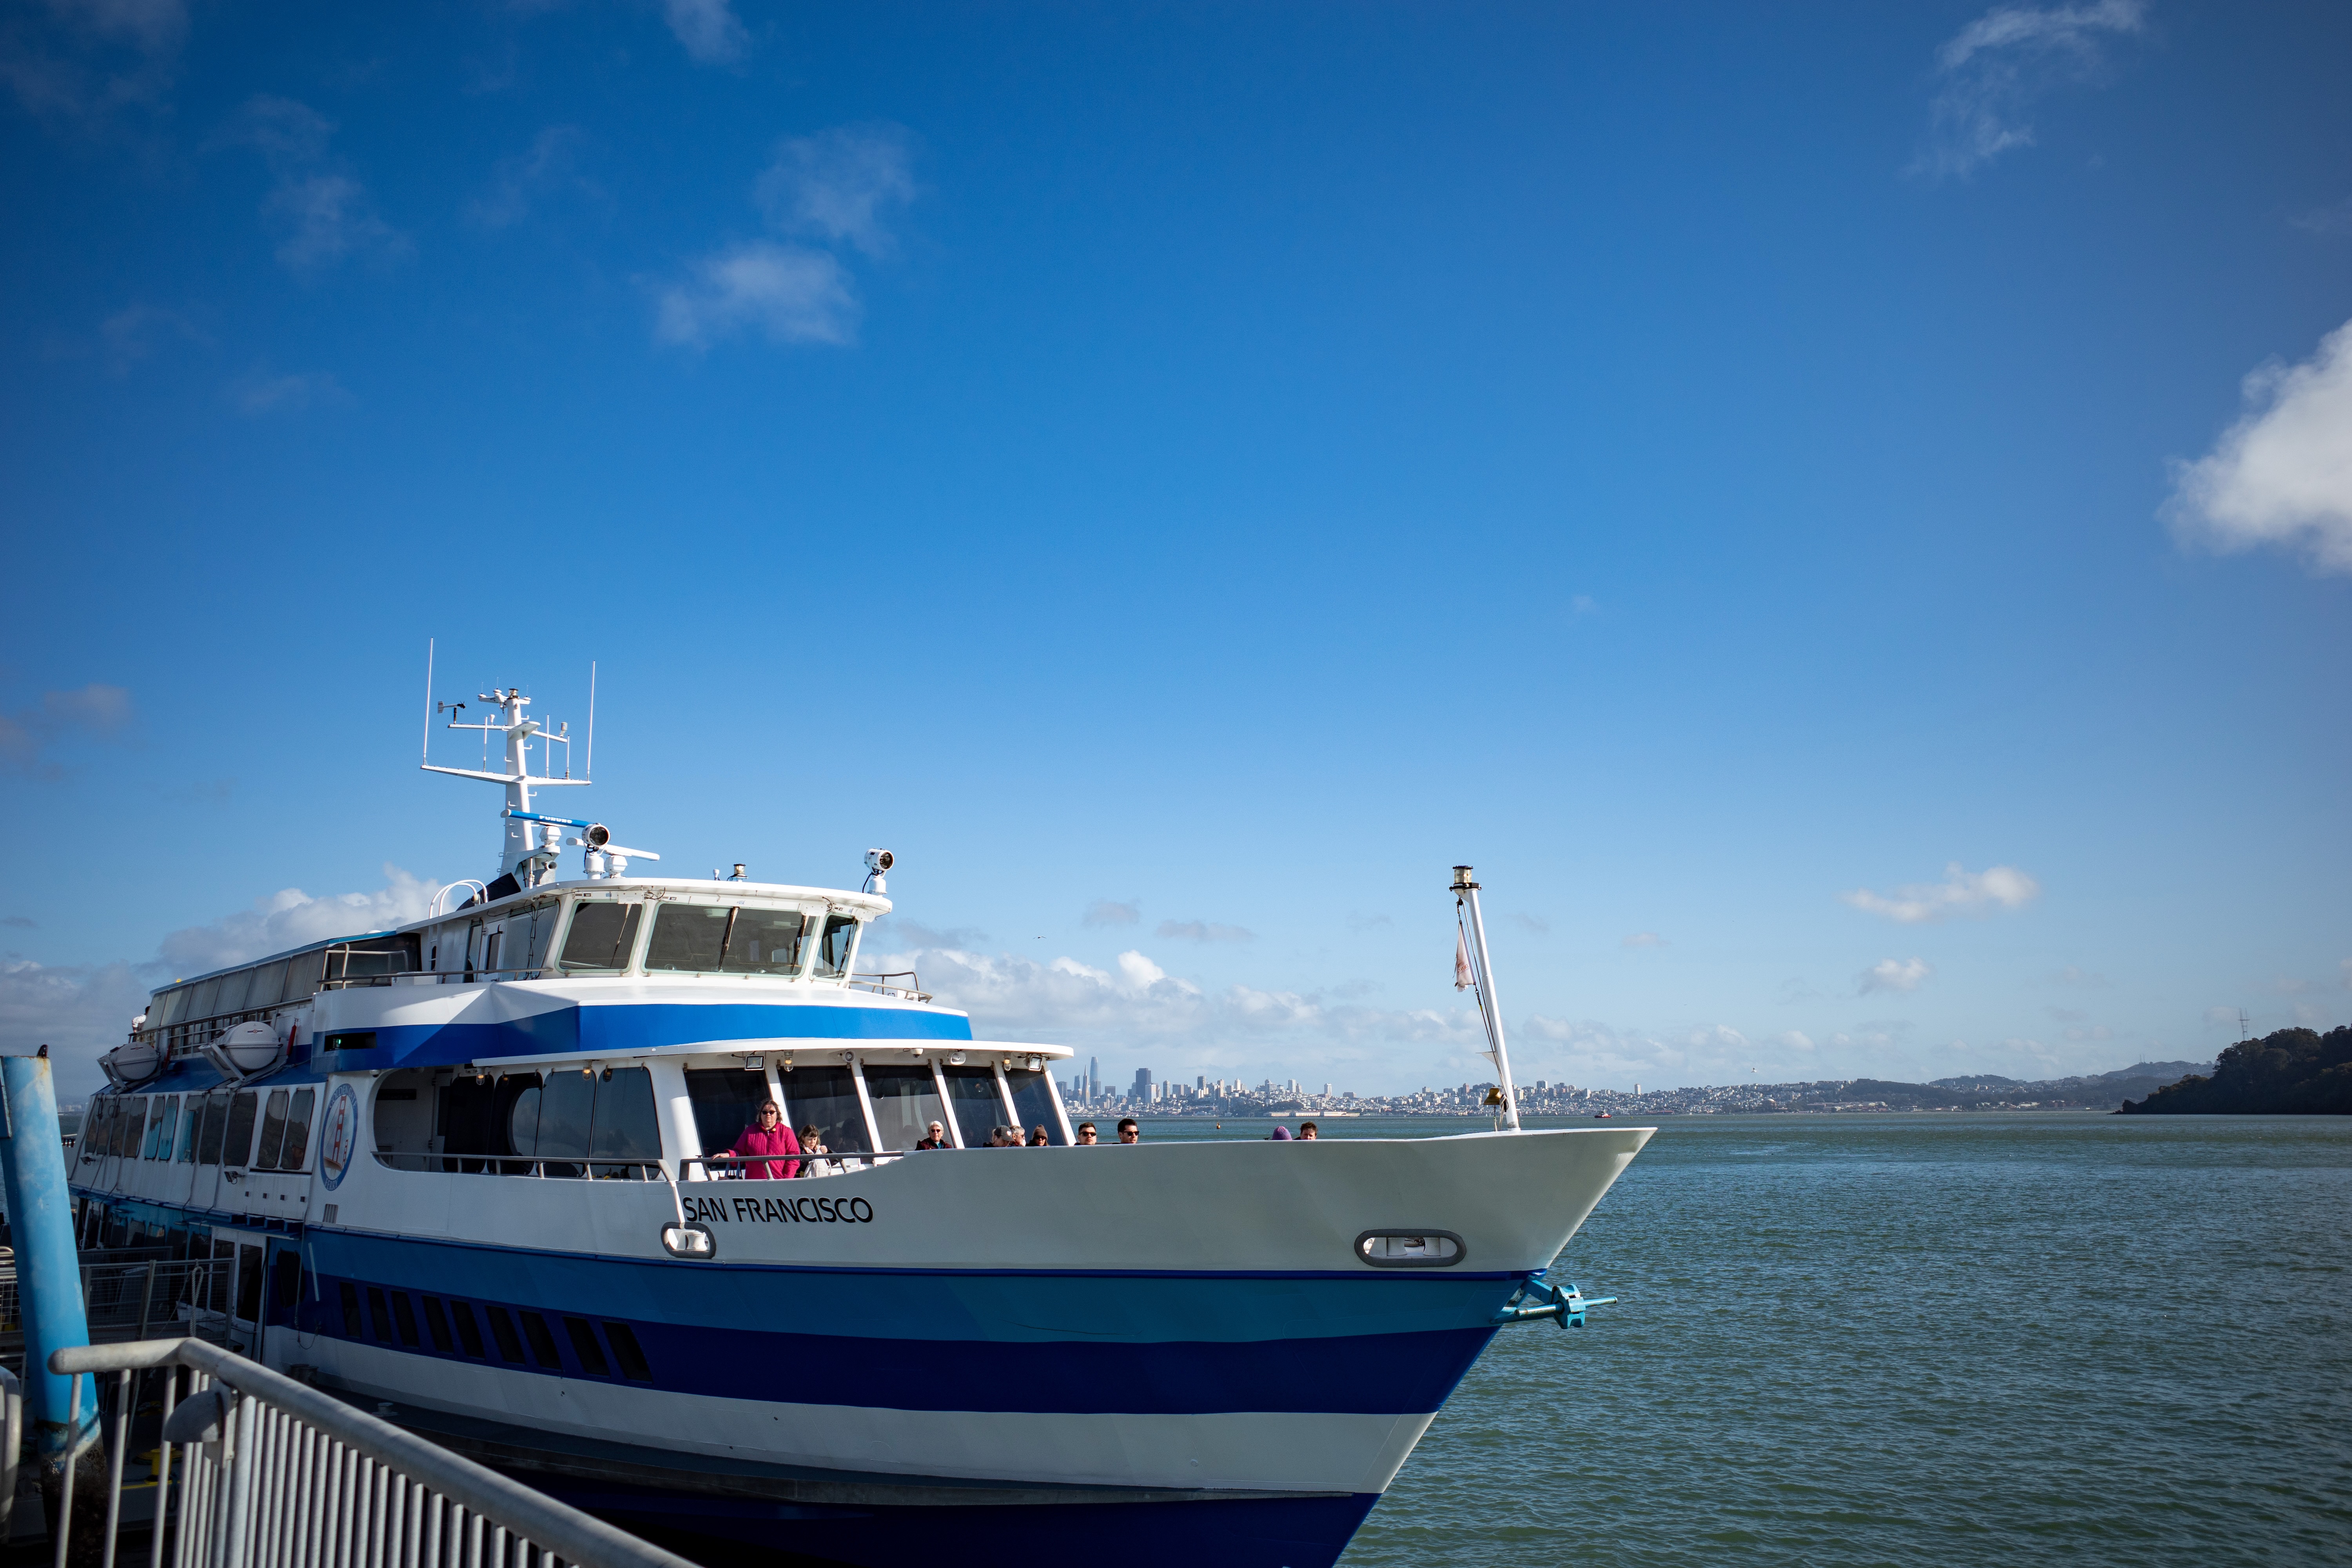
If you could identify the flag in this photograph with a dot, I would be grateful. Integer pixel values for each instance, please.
(1463, 979)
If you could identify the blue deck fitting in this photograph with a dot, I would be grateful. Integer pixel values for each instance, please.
(1538, 1298)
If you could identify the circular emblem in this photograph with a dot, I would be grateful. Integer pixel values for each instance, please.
(337, 1136)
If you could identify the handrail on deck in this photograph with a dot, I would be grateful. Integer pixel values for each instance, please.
(273, 1473)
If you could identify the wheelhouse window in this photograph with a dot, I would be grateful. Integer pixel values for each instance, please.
(1033, 1100)
(601, 937)
(978, 1107)
(302, 976)
(725, 939)
(725, 1100)
(269, 982)
(833, 948)
(827, 1097)
(906, 1101)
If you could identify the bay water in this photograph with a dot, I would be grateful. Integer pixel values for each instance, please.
(1914, 1339)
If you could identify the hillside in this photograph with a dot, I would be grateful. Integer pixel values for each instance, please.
(2294, 1072)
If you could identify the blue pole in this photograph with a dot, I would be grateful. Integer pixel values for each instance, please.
(48, 1273)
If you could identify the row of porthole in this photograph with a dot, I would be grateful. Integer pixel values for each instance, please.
(453, 1328)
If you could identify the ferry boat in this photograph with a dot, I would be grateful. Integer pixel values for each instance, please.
(473, 1174)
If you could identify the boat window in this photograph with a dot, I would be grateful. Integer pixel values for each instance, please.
(297, 1130)
(209, 1129)
(726, 939)
(301, 975)
(587, 1347)
(185, 1137)
(436, 1325)
(238, 1148)
(159, 1128)
(519, 1095)
(567, 1102)
(978, 1107)
(1032, 1099)
(502, 1329)
(168, 1009)
(725, 1100)
(404, 1118)
(231, 999)
(530, 934)
(273, 1132)
(625, 1125)
(828, 1098)
(268, 981)
(600, 938)
(375, 956)
(906, 1101)
(200, 1005)
(833, 947)
(134, 1127)
(469, 1334)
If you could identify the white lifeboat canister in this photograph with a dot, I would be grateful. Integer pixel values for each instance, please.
(136, 1062)
(247, 1049)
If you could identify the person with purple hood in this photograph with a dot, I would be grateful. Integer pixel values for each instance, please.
(769, 1135)
(1281, 1135)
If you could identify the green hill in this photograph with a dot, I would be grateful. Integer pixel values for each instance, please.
(2294, 1072)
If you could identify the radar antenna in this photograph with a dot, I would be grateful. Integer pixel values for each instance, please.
(528, 853)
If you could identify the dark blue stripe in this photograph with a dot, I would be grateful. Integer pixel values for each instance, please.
(1376, 1375)
(1007, 1306)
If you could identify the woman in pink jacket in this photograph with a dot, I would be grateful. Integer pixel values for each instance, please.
(769, 1135)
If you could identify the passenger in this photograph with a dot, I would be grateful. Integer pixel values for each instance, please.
(1037, 1139)
(1306, 1131)
(937, 1139)
(767, 1136)
(1004, 1138)
(1128, 1132)
(1085, 1133)
(812, 1143)
(1280, 1134)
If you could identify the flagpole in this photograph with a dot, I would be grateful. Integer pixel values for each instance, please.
(1466, 891)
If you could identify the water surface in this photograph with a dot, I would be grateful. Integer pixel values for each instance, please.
(1917, 1339)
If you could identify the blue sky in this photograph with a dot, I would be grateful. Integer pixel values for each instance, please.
(1844, 515)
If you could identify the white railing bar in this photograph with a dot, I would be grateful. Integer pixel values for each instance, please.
(388, 1513)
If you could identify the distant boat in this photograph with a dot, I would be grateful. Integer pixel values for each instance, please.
(1602, 1115)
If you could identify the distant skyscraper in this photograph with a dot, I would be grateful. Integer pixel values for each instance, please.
(1142, 1083)
(1093, 1077)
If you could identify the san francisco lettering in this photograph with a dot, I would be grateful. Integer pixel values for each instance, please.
(748, 1210)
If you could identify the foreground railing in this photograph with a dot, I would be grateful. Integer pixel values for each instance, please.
(255, 1471)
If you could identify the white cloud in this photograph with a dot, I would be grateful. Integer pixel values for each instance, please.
(2334, 218)
(290, 918)
(1960, 892)
(260, 393)
(99, 56)
(2282, 474)
(79, 1012)
(1644, 939)
(129, 333)
(1993, 69)
(325, 214)
(517, 182)
(1104, 913)
(1202, 930)
(1893, 974)
(784, 292)
(26, 735)
(839, 184)
(709, 29)
(328, 218)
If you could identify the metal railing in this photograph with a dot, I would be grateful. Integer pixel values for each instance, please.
(911, 992)
(130, 1299)
(252, 1470)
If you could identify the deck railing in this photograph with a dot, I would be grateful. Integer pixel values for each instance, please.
(252, 1470)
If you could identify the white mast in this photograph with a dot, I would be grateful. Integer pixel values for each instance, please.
(522, 852)
(1466, 895)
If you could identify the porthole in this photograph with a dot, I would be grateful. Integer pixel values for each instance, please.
(1410, 1249)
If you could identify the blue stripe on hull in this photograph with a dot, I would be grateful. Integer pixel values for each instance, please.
(942, 1304)
(1374, 1374)
(626, 1028)
(1270, 1532)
